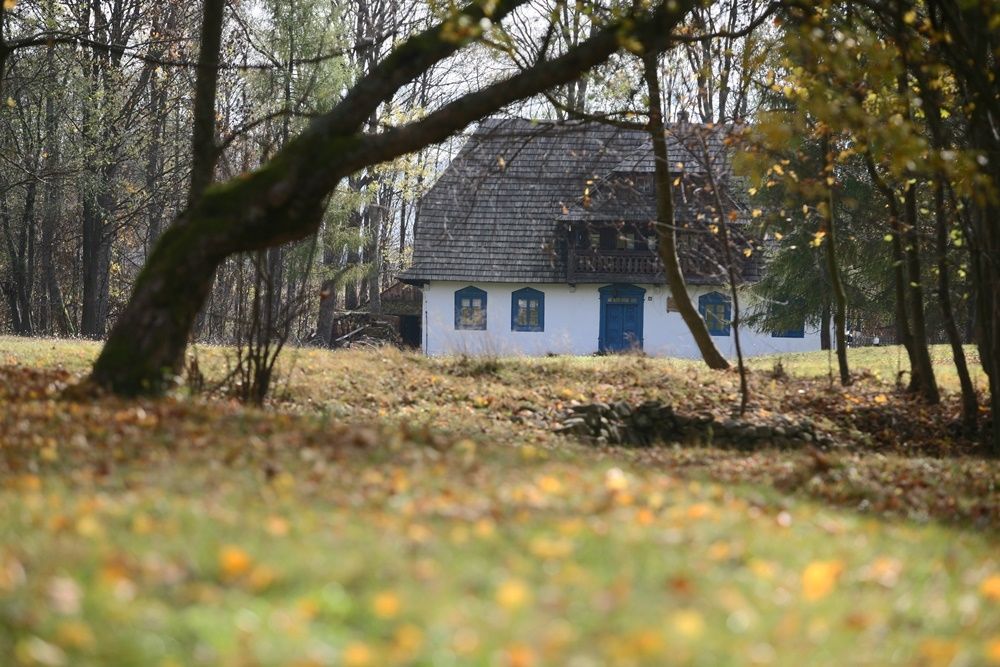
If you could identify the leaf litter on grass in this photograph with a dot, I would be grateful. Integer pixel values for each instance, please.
(196, 531)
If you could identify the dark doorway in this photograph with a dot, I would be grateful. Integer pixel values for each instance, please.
(410, 330)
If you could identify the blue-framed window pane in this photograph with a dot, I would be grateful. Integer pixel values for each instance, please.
(717, 311)
(527, 310)
(470, 308)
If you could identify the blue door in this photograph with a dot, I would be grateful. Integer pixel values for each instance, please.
(621, 318)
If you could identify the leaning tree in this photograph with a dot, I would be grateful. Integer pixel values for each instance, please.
(284, 199)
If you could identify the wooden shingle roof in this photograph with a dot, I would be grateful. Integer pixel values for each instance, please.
(495, 212)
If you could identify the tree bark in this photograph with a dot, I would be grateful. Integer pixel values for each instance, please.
(970, 403)
(824, 328)
(833, 268)
(898, 273)
(666, 234)
(204, 151)
(928, 388)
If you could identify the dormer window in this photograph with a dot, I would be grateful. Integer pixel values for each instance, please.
(625, 240)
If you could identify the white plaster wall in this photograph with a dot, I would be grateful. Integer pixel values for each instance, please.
(572, 324)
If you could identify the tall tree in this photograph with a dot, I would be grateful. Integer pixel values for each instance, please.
(666, 230)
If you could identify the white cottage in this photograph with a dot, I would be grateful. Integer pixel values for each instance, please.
(538, 239)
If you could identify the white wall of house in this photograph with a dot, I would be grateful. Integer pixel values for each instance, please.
(572, 324)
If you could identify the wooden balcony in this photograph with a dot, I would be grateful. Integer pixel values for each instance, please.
(612, 265)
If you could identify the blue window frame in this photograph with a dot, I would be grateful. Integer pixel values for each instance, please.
(717, 311)
(470, 308)
(527, 310)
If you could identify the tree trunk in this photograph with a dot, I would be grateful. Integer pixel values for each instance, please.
(327, 305)
(898, 273)
(833, 268)
(204, 152)
(53, 310)
(970, 404)
(824, 328)
(666, 233)
(928, 387)
(932, 112)
(96, 260)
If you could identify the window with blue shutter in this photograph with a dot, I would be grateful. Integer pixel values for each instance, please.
(527, 310)
(716, 309)
(470, 308)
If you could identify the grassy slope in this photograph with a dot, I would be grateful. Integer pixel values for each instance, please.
(372, 519)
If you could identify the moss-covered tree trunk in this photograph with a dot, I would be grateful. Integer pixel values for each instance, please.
(666, 230)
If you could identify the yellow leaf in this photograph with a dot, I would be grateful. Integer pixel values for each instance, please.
(688, 623)
(757, 213)
(881, 399)
(990, 588)
(386, 605)
(549, 484)
(819, 578)
(817, 239)
(234, 562)
(513, 594)
(277, 526)
(88, 526)
(357, 654)
(9, 4)
(551, 548)
(75, 635)
(408, 639)
(520, 656)
(993, 651)
(762, 569)
(938, 652)
(699, 511)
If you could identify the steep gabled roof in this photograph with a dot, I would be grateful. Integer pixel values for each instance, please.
(494, 213)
